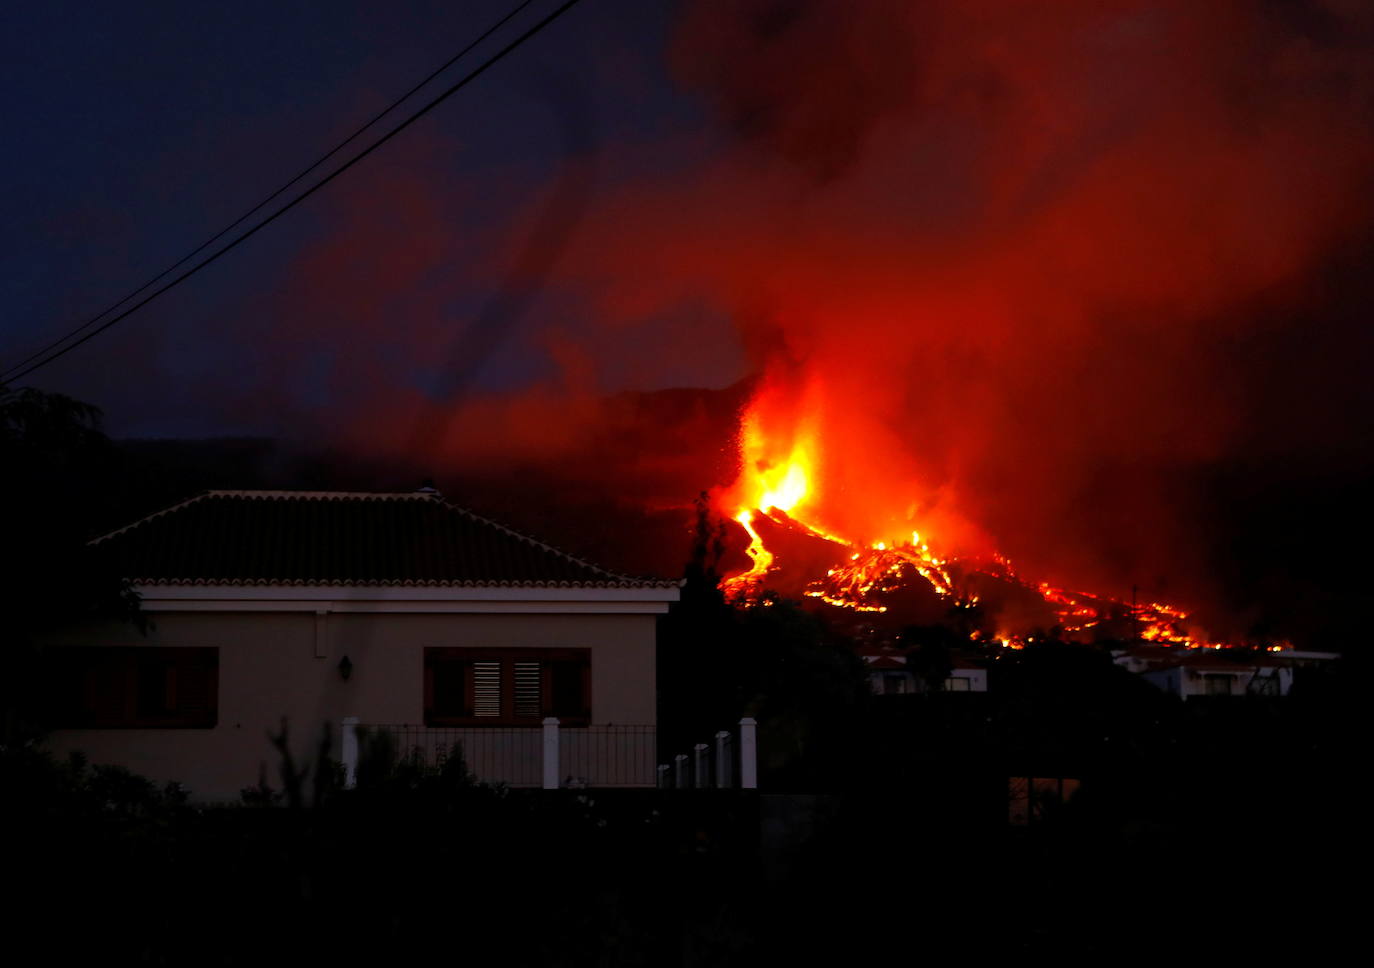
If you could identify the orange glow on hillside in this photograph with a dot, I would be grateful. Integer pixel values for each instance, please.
(780, 483)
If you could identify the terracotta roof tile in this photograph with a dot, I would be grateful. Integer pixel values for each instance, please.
(339, 538)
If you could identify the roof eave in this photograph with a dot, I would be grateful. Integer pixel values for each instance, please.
(163, 590)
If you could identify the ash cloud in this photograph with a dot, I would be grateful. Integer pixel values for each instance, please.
(1042, 269)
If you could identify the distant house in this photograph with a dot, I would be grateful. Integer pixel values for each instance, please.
(1188, 673)
(966, 676)
(392, 609)
(890, 674)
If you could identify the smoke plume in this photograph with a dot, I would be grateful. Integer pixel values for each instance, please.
(1030, 269)
(1048, 278)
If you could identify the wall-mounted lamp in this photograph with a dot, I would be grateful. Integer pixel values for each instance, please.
(345, 668)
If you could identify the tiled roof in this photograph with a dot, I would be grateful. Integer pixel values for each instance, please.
(340, 538)
(1243, 662)
(1156, 658)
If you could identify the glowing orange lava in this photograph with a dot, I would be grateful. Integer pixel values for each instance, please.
(778, 482)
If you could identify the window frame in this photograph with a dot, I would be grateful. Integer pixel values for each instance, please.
(466, 656)
(1219, 684)
(106, 687)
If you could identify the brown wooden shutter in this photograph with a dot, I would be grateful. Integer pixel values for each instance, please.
(570, 689)
(486, 688)
(448, 686)
(528, 689)
(155, 675)
(193, 690)
(145, 687)
(506, 686)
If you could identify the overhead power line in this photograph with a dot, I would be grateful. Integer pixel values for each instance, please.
(82, 334)
(234, 224)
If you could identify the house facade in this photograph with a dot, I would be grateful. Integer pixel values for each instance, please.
(312, 608)
(890, 673)
(1191, 673)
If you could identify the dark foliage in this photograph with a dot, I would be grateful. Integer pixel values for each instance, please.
(773, 661)
(1208, 827)
(55, 461)
(414, 864)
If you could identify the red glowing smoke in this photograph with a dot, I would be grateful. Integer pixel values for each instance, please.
(1027, 266)
(1012, 255)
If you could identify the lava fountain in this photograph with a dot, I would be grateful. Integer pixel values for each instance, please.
(782, 464)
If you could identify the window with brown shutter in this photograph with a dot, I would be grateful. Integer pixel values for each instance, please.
(1219, 685)
(507, 687)
(123, 687)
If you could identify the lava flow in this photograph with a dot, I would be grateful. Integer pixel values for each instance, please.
(775, 500)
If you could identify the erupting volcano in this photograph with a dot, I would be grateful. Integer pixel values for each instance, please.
(793, 548)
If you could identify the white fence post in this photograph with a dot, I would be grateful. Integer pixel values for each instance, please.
(348, 749)
(551, 753)
(701, 778)
(724, 776)
(664, 776)
(680, 771)
(748, 754)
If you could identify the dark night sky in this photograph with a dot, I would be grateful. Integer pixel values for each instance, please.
(137, 131)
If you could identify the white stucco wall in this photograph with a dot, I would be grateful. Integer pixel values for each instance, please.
(269, 668)
(977, 678)
(1185, 682)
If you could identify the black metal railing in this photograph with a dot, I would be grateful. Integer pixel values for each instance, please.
(587, 756)
(493, 755)
(608, 756)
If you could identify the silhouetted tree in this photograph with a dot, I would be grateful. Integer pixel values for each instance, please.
(55, 459)
(931, 653)
(772, 660)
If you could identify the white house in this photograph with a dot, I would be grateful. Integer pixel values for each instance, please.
(889, 673)
(1208, 672)
(391, 609)
(966, 676)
